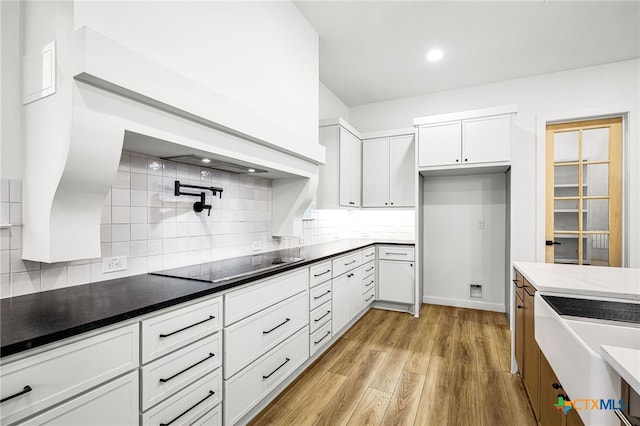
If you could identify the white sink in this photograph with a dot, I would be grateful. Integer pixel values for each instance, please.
(572, 348)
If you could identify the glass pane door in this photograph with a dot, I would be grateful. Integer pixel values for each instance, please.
(584, 192)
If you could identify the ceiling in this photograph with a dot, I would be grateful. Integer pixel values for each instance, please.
(375, 51)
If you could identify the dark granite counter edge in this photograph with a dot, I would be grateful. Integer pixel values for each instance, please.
(66, 332)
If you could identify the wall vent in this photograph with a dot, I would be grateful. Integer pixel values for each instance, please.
(475, 291)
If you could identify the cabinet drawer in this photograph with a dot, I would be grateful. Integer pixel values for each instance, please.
(319, 273)
(368, 269)
(396, 253)
(172, 330)
(169, 374)
(96, 408)
(369, 297)
(253, 336)
(55, 375)
(346, 263)
(368, 283)
(212, 418)
(189, 404)
(248, 387)
(319, 295)
(320, 338)
(369, 254)
(242, 303)
(319, 316)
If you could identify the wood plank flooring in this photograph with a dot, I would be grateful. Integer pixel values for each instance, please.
(448, 367)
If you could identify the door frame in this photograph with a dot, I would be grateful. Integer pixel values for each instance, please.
(540, 170)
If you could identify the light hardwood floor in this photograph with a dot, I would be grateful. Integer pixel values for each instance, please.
(450, 366)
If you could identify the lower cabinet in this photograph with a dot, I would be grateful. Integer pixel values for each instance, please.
(115, 403)
(38, 382)
(540, 382)
(347, 298)
(189, 404)
(519, 314)
(531, 353)
(396, 274)
(244, 390)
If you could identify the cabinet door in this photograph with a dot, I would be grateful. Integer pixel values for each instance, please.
(531, 368)
(355, 292)
(355, 167)
(440, 144)
(375, 172)
(519, 306)
(550, 390)
(486, 140)
(396, 281)
(340, 303)
(350, 169)
(401, 171)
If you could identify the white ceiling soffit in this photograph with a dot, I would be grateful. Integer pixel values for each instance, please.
(375, 51)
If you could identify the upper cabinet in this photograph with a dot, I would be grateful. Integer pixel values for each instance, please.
(350, 170)
(474, 138)
(340, 181)
(388, 165)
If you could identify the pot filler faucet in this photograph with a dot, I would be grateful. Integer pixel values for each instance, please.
(198, 206)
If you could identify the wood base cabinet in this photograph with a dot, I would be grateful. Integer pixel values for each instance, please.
(519, 313)
(531, 358)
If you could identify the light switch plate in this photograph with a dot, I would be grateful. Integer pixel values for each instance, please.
(39, 75)
(114, 264)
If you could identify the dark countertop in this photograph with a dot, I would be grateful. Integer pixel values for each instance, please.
(36, 319)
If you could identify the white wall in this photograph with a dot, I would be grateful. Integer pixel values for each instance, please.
(10, 90)
(611, 88)
(261, 54)
(331, 105)
(456, 251)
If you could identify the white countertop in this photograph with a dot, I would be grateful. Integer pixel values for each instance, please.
(599, 281)
(625, 361)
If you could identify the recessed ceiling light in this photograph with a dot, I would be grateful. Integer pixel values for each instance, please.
(434, 55)
(251, 170)
(206, 160)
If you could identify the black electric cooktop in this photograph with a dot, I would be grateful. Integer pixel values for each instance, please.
(597, 309)
(220, 271)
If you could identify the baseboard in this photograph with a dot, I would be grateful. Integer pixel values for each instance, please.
(471, 304)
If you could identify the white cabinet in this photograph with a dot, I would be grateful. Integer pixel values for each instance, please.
(388, 172)
(346, 290)
(439, 144)
(340, 180)
(115, 403)
(464, 142)
(396, 273)
(350, 173)
(39, 381)
(486, 140)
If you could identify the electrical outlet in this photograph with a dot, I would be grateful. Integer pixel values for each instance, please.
(256, 245)
(481, 224)
(114, 264)
(302, 239)
(365, 234)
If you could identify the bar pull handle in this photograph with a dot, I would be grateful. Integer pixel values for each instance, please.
(322, 295)
(277, 368)
(211, 393)
(323, 337)
(187, 327)
(24, 390)
(320, 319)
(277, 326)
(322, 273)
(187, 369)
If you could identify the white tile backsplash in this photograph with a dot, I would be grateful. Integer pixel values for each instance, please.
(144, 221)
